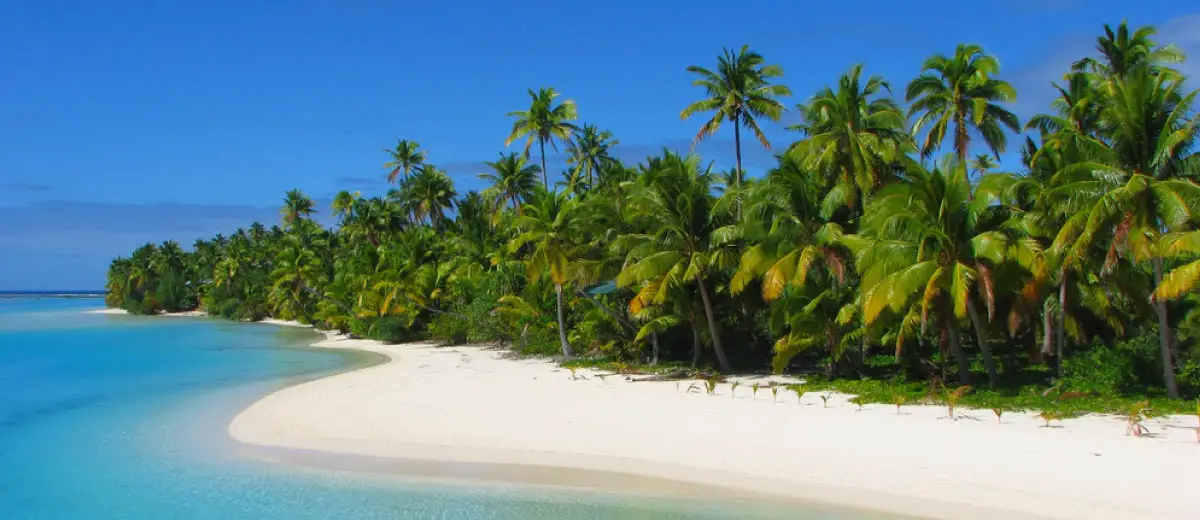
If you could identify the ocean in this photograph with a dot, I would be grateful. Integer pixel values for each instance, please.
(107, 417)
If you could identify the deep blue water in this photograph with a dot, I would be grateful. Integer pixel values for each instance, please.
(106, 417)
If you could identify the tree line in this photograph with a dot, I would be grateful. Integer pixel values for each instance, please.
(884, 242)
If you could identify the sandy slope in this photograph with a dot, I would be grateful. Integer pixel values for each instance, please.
(184, 314)
(470, 404)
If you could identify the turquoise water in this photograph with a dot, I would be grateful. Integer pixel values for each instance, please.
(123, 417)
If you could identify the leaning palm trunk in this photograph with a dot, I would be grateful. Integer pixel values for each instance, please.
(654, 348)
(964, 370)
(1062, 325)
(542, 146)
(737, 148)
(562, 327)
(722, 361)
(1164, 335)
(695, 345)
(981, 337)
(1047, 329)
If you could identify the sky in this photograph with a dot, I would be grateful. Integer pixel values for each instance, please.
(135, 121)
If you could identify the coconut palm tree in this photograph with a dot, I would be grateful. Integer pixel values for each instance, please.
(798, 257)
(543, 122)
(959, 94)
(588, 154)
(1122, 52)
(675, 203)
(426, 195)
(931, 244)
(343, 205)
(739, 92)
(406, 157)
(296, 206)
(513, 180)
(851, 135)
(1148, 133)
(546, 227)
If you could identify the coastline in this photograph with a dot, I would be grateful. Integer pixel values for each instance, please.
(471, 413)
(470, 405)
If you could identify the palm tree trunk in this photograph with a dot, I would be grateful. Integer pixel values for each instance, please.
(653, 348)
(737, 148)
(562, 327)
(722, 361)
(981, 337)
(1164, 335)
(1061, 333)
(964, 369)
(695, 345)
(542, 145)
(1047, 329)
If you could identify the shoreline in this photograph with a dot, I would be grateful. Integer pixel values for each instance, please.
(474, 414)
(469, 405)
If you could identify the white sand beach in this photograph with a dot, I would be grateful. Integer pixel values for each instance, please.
(184, 314)
(468, 404)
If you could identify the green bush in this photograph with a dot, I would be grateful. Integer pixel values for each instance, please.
(451, 329)
(1100, 370)
(393, 329)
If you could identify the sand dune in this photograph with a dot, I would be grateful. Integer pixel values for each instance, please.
(469, 404)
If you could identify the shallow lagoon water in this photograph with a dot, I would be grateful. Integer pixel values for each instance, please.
(124, 417)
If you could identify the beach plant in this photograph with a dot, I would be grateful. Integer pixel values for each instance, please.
(825, 400)
(860, 401)
(774, 393)
(899, 401)
(733, 388)
(754, 391)
(573, 376)
(711, 386)
(953, 397)
(999, 411)
(1051, 414)
(1137, 413)
(799, 390)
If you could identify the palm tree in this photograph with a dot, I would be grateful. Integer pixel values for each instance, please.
(543, 122)
(1148, 135)
(546, 226)
(296, 206)
(513, 179)
(427, 194)
(675, 201)
(588, 153)
(794, 248)
(739, 91)
(925, 243)
(343, 205)
(981, 164)
(960, 90)
(852, 135)
(1122, 52)
(406, 157)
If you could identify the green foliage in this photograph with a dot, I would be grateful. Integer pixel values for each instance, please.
(854, 256)
(393, 329)
(1100, 370)
(451, 329)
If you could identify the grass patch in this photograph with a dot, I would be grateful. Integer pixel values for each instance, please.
(1033, 398)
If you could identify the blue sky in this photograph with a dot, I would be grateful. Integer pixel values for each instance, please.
(132, 121)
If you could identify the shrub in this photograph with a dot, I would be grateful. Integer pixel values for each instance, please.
(392, 329)
(1100, 370)
(451, 329)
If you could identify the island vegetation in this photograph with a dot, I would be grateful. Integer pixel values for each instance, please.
(884, 250)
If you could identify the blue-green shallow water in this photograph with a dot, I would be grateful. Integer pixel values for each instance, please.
(107, 417)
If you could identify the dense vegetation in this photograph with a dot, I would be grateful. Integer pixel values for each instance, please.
(885, 244)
